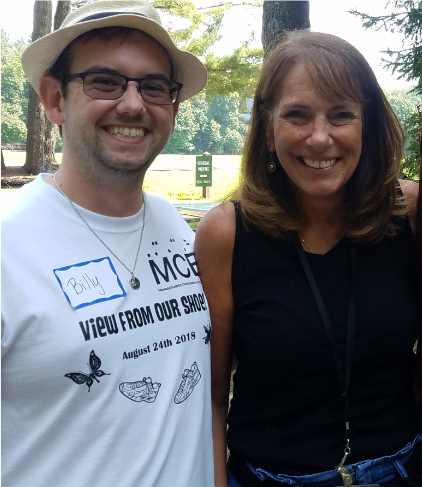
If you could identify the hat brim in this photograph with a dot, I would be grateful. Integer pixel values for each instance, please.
(41, 54)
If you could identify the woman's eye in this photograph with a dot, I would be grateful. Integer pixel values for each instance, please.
(297, 116)
(341, 118)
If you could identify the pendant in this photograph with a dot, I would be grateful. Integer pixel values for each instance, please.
(134, 283)
(345, 475)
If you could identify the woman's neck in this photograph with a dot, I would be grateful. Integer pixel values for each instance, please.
(325, 225)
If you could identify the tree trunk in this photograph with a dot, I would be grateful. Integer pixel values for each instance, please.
(36, 160)
(50, 134)
(35, 151)
(278, 18)
(3, 165)
(50, 139)
(62, 9)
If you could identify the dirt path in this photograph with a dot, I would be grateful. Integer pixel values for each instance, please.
(14, 177)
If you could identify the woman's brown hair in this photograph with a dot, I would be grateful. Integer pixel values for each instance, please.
(371, 197)
(419, 266)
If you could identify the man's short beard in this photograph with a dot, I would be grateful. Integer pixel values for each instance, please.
(106, 170)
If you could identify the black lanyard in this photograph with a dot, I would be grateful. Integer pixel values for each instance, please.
(343, 375)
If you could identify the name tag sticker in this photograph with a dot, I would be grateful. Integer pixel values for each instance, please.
(90, 282)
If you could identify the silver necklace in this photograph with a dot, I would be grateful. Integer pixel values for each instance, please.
(306, 245)
(134, 281)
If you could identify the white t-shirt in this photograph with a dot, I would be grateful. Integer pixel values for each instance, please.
(102, 385)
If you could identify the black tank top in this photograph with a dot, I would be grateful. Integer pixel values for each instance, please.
(287, 414)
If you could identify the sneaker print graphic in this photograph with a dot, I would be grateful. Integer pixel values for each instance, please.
(88, 379)
(190, 378)
(140, 391)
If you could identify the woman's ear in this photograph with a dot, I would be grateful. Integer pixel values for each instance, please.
(51, 97)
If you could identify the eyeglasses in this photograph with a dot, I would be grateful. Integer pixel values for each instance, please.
(107, 86)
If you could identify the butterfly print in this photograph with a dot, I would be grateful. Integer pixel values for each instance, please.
(207, 336)
(88, 379)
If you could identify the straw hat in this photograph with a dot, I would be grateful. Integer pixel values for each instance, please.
(136, 14)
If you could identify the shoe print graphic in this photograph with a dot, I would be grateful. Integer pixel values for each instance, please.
(140, 391)
(190, 378)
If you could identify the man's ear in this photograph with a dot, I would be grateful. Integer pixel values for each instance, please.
(175, 110)
(52, 99)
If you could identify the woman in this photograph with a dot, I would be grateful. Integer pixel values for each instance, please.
(309, 277)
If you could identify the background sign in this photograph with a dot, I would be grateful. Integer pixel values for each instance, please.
(203, 171)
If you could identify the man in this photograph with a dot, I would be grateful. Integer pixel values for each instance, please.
(105, 327)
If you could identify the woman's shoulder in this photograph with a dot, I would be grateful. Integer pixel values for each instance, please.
(410, 191)
(218, 222)
(214, 243)
(215, 233)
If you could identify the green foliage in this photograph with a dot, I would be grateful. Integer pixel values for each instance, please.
(186, 128)
(210, 125)
(404, 103)
(202, 29)
(410, 164)
(12, 127)
(193, 224)
(407, 20)
(403, 100)
(233, 142)
(228, 130)
(407, 64)
(14, 91)
(235, 73)
(221, 132)
(59, 144)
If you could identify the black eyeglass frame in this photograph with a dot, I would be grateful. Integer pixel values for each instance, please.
(178, 86)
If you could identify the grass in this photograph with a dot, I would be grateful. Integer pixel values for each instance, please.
(173, 176)
(17, 157)
(194, 224)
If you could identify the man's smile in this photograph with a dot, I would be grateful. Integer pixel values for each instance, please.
(126, 131)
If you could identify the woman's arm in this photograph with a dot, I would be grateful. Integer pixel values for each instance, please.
(213, 251)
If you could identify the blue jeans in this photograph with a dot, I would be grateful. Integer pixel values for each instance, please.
(377, 471)
(231, 481)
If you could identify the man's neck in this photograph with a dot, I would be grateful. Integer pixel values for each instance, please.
(110, 196)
